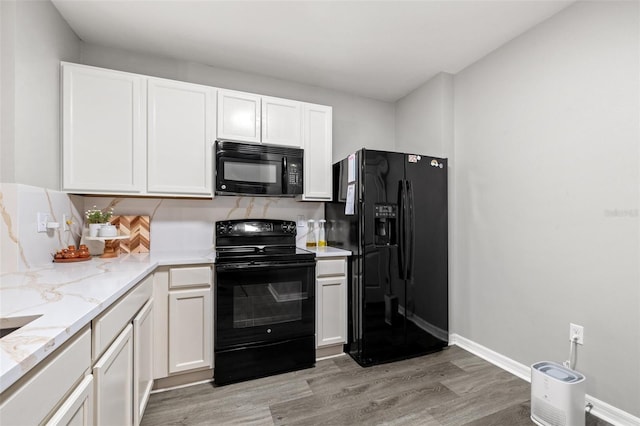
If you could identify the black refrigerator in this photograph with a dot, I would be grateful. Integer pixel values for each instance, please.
(390, 210)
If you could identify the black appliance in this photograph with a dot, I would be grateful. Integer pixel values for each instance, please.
(390, 210)
(264, 298)
(257, 169)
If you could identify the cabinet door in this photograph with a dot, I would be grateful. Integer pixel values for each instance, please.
(113, 374)
(190, 329)
(331, 321)
(78, 408)
(104, 139)
(317, 144)
(238, 116)
(142, 360)
(181, 120)
(281, 122)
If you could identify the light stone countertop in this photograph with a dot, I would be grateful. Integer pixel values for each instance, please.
(328, 252)
(67, 296)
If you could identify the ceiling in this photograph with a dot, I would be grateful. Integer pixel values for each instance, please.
(377, 49)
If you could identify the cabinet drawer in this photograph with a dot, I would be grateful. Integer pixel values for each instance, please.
(110, 323)
(331, 267)
(34, 400)
(189, 277)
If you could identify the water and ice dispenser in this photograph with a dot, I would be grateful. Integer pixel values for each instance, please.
(385, 224)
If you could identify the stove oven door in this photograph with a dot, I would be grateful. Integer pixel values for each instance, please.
(262, 303)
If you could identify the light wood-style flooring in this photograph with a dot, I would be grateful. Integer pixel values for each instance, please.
(451, 387)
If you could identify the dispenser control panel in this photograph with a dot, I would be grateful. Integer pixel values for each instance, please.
(385, 210)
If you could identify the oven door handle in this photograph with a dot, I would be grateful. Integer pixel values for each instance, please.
(241, 266)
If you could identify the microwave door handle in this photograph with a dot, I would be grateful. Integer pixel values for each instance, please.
(284, 174)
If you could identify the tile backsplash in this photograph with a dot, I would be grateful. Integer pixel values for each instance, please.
(176, 224)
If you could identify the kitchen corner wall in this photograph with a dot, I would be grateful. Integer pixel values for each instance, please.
(547, 172)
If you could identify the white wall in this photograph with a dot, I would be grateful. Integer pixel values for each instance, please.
(7, 89)
(424, 118)
(41, 40)
(357, 121)
(547, 170)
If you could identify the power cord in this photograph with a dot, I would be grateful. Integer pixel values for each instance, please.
(573, 353)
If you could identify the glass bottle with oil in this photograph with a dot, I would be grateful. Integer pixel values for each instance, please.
(311, 234)
(322, 237)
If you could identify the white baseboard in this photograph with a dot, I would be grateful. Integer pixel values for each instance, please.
(601, 409)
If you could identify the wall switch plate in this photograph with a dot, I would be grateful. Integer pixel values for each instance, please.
(576, 331)
(41, 220)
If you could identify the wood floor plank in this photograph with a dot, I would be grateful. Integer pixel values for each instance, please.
(483, 377)
(476, 405)
(514, 415)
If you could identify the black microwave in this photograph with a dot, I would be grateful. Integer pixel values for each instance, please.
(256, 169)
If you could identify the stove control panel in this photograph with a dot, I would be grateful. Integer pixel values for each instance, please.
(255, 227)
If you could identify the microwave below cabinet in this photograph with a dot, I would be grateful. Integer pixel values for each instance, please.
(252, 169)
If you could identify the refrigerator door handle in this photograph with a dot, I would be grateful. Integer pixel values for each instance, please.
(401, 235)
(410, 231)
(402, 246)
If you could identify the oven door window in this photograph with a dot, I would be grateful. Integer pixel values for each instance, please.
(245, 171)
(268, 304)
(237, 174)
(261, 304)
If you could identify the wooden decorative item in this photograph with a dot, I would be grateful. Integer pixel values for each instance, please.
(138, 229)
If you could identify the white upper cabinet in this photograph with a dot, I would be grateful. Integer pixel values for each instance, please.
(131, 134)
(238, 116)
(103, 138)
(247, 117)
(281, 122)
(181, 129)
(317, 144)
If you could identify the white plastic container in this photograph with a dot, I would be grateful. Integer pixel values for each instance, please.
(557, 395)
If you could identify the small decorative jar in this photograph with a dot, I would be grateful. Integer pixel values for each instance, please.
(94, 228)
(108, 230)
(83, 251)
(70, 252)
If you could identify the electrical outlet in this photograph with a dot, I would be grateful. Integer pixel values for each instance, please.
(576, 331)
(66, 222)
(41, 220)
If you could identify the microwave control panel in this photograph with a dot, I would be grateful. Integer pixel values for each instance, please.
(294, 178)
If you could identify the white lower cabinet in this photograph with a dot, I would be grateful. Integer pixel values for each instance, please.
(331, 301)
(123, 357)
(331, 321)
(78, 408)
(183, 323)
(114, 382)
(189, 329)
(142, 360)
